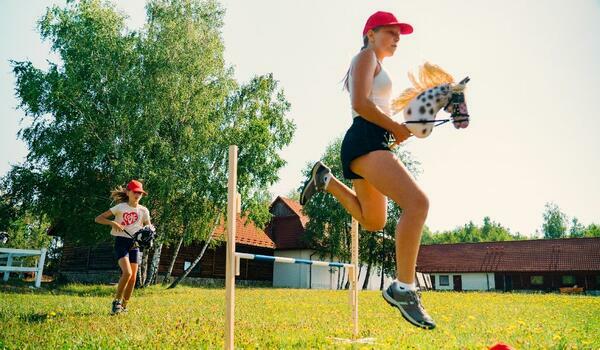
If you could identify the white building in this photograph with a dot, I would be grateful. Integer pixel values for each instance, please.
(540, 264)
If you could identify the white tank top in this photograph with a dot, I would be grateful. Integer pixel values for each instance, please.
(381, 92)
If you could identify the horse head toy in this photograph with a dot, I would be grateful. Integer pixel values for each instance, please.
(434, 90)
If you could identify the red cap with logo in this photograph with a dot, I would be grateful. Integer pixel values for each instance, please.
(381, 18)
(136, 186)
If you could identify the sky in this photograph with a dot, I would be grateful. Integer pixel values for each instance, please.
(535, 82)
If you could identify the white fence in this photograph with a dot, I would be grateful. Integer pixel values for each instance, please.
(10, 253)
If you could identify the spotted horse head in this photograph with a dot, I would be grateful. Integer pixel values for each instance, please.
(434, 91)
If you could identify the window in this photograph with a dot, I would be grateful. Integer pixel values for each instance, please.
(537, 280)
(444, 280)
(186, 264)
(568, 280)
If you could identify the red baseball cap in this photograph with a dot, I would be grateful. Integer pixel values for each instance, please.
(381, 18)
(136, 186)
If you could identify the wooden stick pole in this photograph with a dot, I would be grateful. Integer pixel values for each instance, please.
(230, 252)
(354, 285)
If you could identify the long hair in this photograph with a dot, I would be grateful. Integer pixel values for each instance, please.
(430, 75)
(365, 44)
(119, 195)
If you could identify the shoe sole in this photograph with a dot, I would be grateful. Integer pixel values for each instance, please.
(406, 316)
(313, 174)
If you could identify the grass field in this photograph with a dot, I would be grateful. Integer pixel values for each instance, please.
(77, 316)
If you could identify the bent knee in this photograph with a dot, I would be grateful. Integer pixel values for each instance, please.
(374, 225)
(419, 205)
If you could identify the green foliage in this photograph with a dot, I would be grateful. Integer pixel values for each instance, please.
(490, 231)
(555, 222)
(76, 316)
(592, 230)
(158, 104)
(28, 232)
(577, 229)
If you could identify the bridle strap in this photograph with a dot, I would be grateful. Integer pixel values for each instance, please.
(436, 122)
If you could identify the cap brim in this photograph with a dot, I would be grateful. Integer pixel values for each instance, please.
(405, 28)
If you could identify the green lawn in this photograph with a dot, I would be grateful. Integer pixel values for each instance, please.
(77, 316)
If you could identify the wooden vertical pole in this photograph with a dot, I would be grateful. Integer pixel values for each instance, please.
(230, 252)
(354, 285)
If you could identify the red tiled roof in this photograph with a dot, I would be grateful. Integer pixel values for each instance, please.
(295, 207)
(246, 233)
(572, 254)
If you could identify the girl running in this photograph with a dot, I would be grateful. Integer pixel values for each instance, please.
(129, 217)
(375, 171)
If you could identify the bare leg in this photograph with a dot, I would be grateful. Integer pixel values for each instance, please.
(130, 284)
(125, 276)
(386, 173)
(367, 204)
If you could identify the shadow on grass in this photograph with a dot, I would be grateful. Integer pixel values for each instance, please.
(58, 288)
(89, 290)
(40, 317)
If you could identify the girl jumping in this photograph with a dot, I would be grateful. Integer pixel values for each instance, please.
(129, 217)
(375, 171)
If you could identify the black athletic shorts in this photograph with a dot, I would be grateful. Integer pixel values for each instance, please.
(362, 138)
(125, 247)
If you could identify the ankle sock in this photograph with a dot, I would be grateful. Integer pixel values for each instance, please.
(406, 286)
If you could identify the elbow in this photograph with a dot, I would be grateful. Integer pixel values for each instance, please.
(97, 219)
(360, 106)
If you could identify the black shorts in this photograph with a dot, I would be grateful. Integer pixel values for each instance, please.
(362, 138)
(125, 247)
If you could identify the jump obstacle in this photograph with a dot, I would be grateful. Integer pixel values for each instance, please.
(232, 266)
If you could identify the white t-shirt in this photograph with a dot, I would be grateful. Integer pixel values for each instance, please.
(131, 218)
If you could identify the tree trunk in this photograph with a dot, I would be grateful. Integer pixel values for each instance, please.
(382, 279)
(367, 276)
(153, 273)
(197, 260)
(173, 258)
(347, 284)
(341, 285)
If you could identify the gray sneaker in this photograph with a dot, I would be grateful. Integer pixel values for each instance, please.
(409, 304)
(316, 182)
(117, 307)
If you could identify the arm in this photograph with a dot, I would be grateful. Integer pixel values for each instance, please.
(103, 220)
(363, 72)
(146, 218)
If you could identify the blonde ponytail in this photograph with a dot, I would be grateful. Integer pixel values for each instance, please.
(119, 195)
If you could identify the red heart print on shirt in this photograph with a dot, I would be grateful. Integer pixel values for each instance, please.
(129, 218)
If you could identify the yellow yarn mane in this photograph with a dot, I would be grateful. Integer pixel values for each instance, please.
(430, 75)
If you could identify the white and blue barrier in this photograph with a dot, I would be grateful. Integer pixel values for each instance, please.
(280, 259)
(233, 258)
